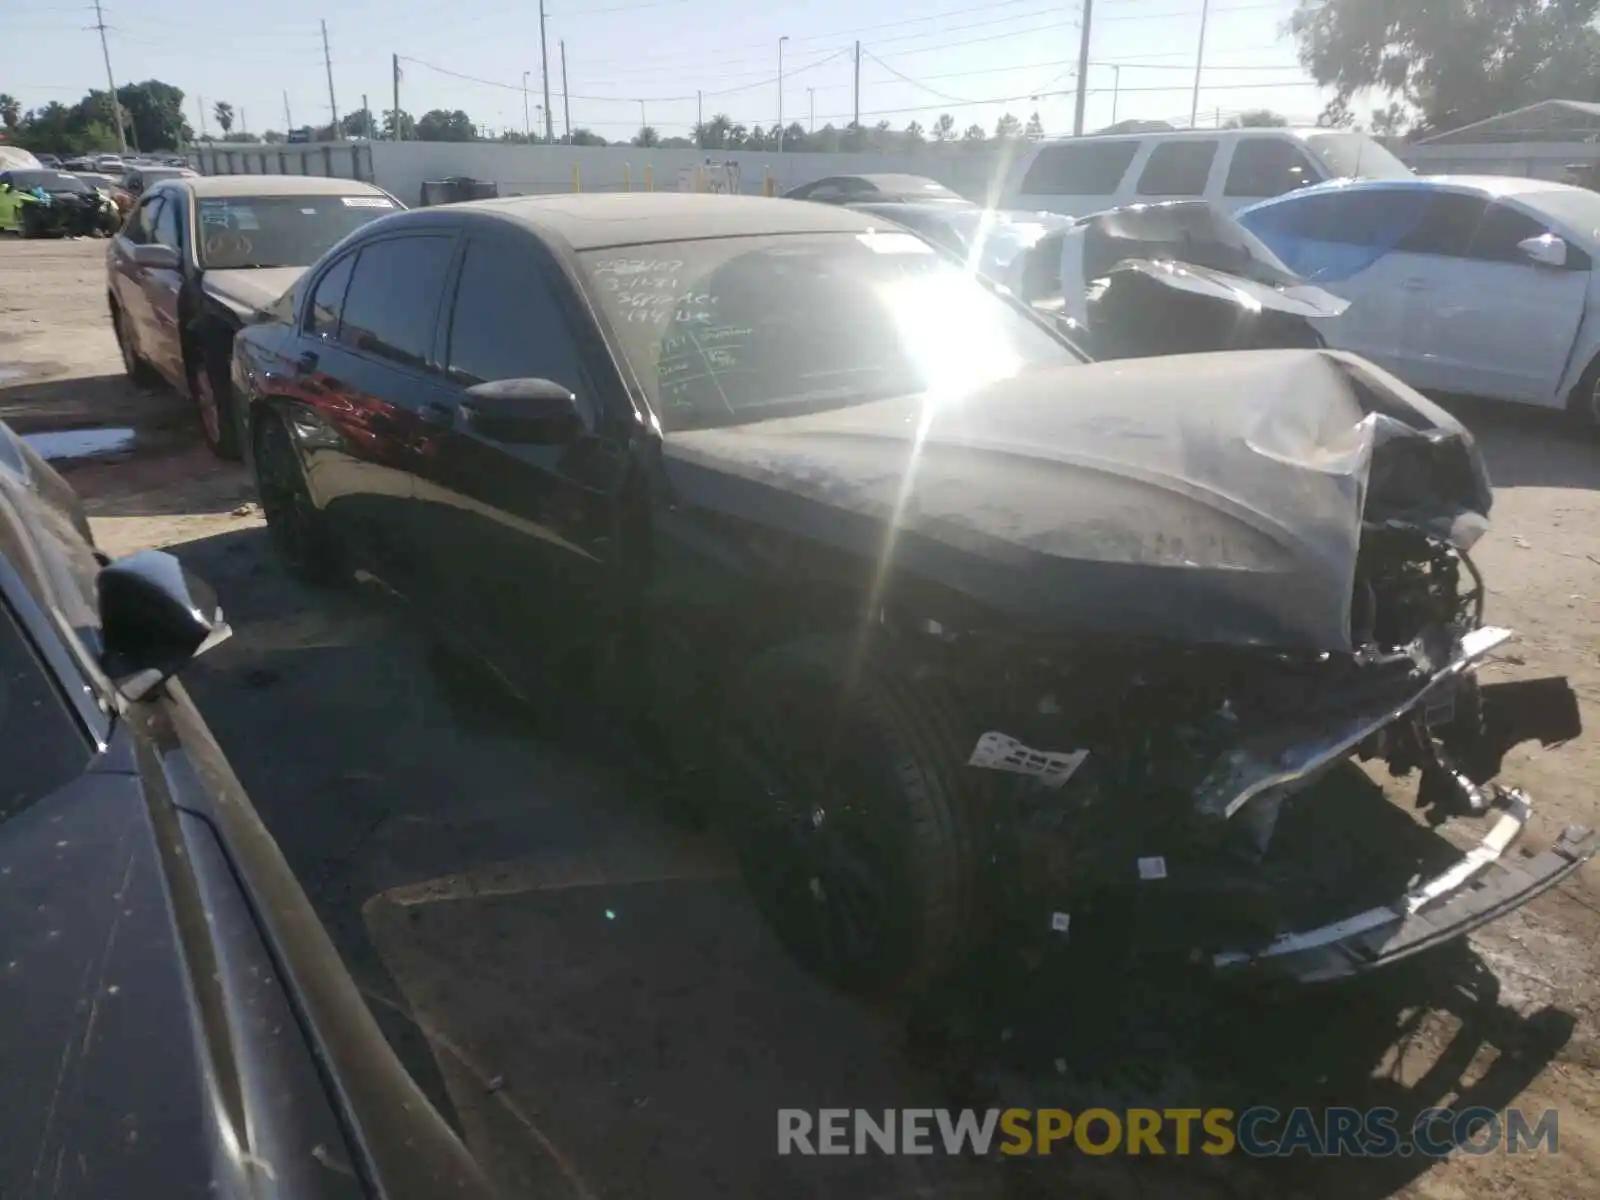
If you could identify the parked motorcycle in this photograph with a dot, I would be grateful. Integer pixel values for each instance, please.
(1174, 278)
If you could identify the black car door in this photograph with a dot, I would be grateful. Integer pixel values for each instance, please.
(365, 366)
(519, 534)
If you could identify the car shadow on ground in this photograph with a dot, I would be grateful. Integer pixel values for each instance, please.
(586, 990)
(1530, 447)
(87, 402)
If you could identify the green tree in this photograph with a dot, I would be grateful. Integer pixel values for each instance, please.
(222, 113)
(647, 137)
(1454, 63)
(944, 129)
(586, 137)
(439, 125)
(1034, 130)
(358, 124)
(1257, 118)
(153, 114)
(913, 136)
(408, 127)
(974, 134)
(1389, 122)
(713, 134)
(10, 112)
(795, 137)
(1007, 127)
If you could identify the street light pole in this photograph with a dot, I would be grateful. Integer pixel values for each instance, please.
(643, 120)
(527, 127)
(1116, 86)
(781, 41)
(811, 95)
(1199, 62)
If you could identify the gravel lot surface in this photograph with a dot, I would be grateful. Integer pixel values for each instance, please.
(590, 993)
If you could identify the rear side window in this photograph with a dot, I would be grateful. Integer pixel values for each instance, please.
(1267, 167)
(1346, 218)
(393, 299)
(1447, 226)
(506, 323)
(1079, 169)
(1177, 168)
(329, 298)
(43, 749)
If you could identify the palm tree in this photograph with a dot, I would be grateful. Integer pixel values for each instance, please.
(223, 112)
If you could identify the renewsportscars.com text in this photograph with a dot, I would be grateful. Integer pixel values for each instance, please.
(1260, 1132)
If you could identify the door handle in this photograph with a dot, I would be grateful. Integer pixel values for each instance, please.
(436, 412)
(307, 362)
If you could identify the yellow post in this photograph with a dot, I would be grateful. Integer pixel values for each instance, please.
(649, 178)
(627, 177)
(699, 179)
(767, 188)
(575, 186)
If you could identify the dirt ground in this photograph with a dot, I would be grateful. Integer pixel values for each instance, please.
(1513, 1018)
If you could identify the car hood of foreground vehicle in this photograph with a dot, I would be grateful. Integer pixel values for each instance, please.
(1213, 498)
(250, 289)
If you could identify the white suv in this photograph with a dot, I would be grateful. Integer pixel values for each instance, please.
(1228, 167)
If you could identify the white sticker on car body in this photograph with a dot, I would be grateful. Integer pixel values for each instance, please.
(367, 202)
(998, 752)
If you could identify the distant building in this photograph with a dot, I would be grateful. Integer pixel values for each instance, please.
(1553, 139)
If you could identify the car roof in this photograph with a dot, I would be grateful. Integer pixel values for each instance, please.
(272, 185)
(893, 182)
(1492, 186)
(590, 221)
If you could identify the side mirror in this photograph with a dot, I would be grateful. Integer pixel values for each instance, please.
(154, 256)
(1546, 250)
(155, 618)
(523, 411)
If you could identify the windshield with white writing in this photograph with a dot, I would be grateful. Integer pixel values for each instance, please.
(279, 231)
(735, 330)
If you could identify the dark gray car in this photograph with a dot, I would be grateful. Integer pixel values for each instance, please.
(174, 1020)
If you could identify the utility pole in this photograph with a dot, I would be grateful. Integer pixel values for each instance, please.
(288, 121)
(781, 41)
(527, 126)
(566, 104)
(1116, 87)
(399, 131)
(333, 106)
(544, 67)
(1199, 61)
(857, 121)
(1083, 69)
(116, 105)
(366, 111)
(699, 109)
(811, 95)
(244, 127)
(200, 103)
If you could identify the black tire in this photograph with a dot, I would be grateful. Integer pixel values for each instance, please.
(29, 223)
(212, 389)
(137, 369)
(299, 531)
(1583, 403)
(842, 790)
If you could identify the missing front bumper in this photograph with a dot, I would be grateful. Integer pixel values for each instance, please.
(1479, 888)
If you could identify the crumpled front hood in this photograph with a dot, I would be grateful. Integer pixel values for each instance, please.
(249, 290)
(1213, 498)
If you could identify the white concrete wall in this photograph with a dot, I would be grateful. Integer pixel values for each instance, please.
(401, 167)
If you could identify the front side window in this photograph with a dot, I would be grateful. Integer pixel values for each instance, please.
(1447, 225)
(1267, 167)
(1178, 168)
(393, 298)
(44, 748)
(141, 226)
(279, 231)
(506, 323)
(169, 222)
(1499, 236)
(735, 330)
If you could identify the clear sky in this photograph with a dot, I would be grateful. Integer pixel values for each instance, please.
(633, 59)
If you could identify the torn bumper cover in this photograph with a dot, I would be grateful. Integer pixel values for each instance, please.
(1480, 887)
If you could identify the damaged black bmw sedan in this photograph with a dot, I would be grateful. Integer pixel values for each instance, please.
(957, 635)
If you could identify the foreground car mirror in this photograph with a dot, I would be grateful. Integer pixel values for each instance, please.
(155, 619)
(526, 411)
(156, 257)
(1546, 250)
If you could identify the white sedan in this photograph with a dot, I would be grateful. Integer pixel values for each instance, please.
(1473, 285)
